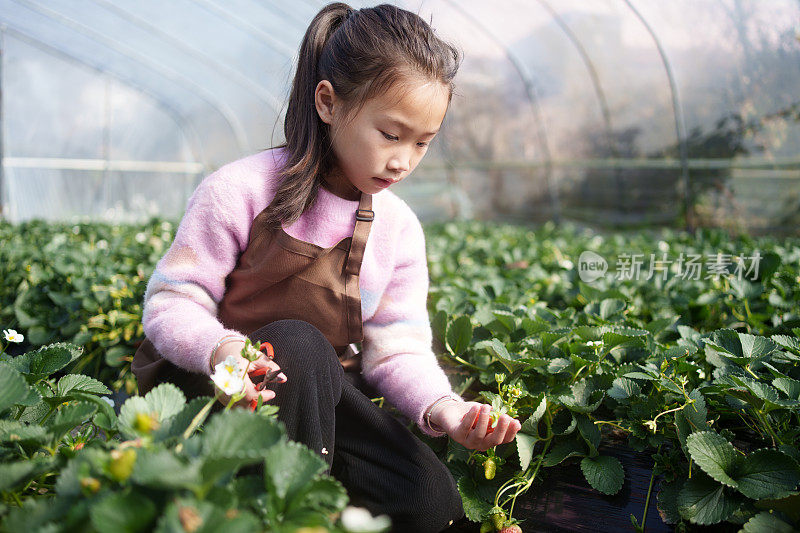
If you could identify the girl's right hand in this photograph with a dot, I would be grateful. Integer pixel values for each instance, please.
(262, 365)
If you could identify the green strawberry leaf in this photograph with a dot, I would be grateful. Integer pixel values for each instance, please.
(130, 512)
(790, 343)
(69, 416)
(165, 400)
(585, 398)
(789, 386)
(741, 347)
(563, 423)
(549, 338)
(13, 387)
(16, 473)
(289, 466)
(459, 335)
(205, 517)
(526, 443)
(80, 383)
(162, 469)
(564, 450)
(557, 365)
(603, 473)
(623, 336)
(767, 522)
(439, 326)
(590, 433)
(230, 432)
(475, 502)
(715, 455)
(703, 501)
(47, 359)
(176, 425)
(668, 502)
(768, 474)
(624, 388)
(696, 413)
(15, 431)
(506, 318)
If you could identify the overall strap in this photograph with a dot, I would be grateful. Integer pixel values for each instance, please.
(364, 217)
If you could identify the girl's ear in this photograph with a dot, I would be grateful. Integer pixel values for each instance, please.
(324, 100)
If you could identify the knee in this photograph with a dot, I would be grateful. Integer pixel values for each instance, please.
(301, 347)
(438, 502)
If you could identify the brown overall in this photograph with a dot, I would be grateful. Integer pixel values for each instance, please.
(281, 277)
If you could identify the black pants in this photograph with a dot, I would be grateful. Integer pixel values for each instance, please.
(384, 467)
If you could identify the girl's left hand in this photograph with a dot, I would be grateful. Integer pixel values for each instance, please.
(468, 424)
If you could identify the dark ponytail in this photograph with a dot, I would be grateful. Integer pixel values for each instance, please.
(362, 53)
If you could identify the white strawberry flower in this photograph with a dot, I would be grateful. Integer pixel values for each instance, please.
(359, 520)
(12, 336)
(324, 451)
(231, 366)
(228, 376)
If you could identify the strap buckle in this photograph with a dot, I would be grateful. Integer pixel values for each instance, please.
(367, 215)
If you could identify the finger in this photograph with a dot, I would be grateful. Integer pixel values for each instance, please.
(265, 396)
(500, 431)
(262, 364)
(468, 421)
(251, 393)
(271, 372)
(512, 431)
(273, 376)
(479, 431)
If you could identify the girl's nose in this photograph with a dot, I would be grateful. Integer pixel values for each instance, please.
(399, 163)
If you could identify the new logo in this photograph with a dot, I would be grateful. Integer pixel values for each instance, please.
(591, 266)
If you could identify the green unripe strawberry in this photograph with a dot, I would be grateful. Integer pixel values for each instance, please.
(498, 517)
(90, 485)
(489, 468)
(145, 423)
(121, 465)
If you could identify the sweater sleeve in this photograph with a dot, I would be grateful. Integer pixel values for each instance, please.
(397, 357)
(183, 293)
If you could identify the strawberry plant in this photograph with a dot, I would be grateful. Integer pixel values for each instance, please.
(700, 373)
(712, 395)
(68, 462)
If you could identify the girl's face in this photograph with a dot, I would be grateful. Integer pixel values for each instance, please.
(386, 139)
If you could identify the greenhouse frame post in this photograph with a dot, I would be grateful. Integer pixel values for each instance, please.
(680, 126)
(533, 98)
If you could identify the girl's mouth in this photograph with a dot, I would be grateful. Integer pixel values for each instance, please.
(382, 182)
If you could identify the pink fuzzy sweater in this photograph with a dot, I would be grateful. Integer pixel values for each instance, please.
(180, 303)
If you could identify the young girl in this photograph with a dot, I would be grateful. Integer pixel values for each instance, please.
(303, 246)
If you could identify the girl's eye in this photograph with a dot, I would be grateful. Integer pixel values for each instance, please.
(422, 145)
(390, 137)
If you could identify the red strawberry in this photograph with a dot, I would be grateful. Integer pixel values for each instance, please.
(511, 528)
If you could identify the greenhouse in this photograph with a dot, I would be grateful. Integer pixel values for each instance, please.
(595, 255)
